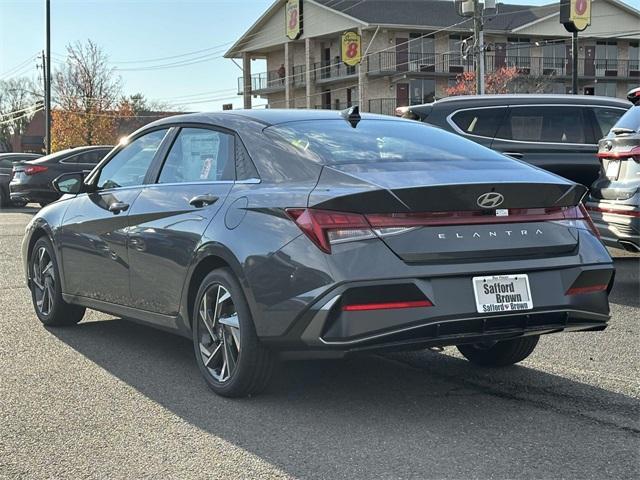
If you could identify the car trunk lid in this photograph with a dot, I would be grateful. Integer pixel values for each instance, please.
(424, 211)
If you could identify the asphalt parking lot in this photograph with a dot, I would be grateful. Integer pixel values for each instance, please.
(111, 399)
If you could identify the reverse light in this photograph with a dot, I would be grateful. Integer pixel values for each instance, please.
(34, 169)
(359, 307)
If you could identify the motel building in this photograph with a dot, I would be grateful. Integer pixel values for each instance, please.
(381, 54)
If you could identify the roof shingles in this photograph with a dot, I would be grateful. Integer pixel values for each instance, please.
(435, 13)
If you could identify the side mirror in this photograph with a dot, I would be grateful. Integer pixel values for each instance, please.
(72, 183)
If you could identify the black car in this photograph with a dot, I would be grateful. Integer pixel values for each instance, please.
(556, 132)
(614, 199)
(31, 181)
(7, 162)
(321, 233)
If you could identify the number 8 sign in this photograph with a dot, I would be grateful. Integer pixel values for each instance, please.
(351, 48)
(293, 19)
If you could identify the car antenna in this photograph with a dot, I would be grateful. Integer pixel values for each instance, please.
(351, 115)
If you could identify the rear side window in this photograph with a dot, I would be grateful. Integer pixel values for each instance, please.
(544, 124)
(605, 119)
(630, 120)
(199, 155)
(483, 122)
(93, 157)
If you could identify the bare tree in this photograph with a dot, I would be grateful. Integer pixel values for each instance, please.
(18, 103)
(87, 88)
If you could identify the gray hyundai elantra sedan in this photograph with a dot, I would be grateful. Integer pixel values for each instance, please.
(318, 233)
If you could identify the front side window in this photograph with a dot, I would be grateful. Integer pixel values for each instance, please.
(130, 165)
(483, 122)
(544, 124)
(199, 155)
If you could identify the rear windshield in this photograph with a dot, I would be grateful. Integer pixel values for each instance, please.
(630, 120)
(331, 142)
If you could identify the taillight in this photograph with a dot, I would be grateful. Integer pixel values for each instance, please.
(616, 211)
(633, 153)
(34, 169)
(326, 228)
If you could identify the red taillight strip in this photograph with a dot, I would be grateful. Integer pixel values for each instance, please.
(32, 170)
(616, 211)
(634, 152)
(472, 217)
(589, 289)
(386, 305)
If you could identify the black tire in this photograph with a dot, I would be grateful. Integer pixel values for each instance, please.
(4, 198)
(19, 203)
(253, 365)
(500, 354)
(57, 312)
(43, 204)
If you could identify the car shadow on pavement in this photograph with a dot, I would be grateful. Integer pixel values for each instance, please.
(414, 415)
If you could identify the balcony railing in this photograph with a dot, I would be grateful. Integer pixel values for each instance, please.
(392, 62)
(274, 80)
(323, 71)
(385, 106)
(384, 63)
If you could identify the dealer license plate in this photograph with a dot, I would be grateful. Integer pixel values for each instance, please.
(502, 293)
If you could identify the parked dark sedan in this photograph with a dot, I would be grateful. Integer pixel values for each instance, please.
(559, 133)
(614, 200)
(7, 161)
(31, 181)
(321, 233)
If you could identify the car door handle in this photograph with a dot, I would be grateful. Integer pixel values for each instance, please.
(200, 201)
(513, 154)
(118, 207)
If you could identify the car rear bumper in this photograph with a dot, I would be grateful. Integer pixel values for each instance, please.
(452, 319)
(33, 195)
(619, 230)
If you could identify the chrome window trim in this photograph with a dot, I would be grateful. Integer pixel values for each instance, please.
(459, 131)
(206, 182)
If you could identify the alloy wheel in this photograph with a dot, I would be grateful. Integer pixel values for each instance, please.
(44, 281)
(219, 333)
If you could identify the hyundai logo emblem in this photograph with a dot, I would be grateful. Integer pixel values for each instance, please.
(490, 200)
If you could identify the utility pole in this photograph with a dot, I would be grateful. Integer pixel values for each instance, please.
(478, 35)
(574, 59)
(47, 79)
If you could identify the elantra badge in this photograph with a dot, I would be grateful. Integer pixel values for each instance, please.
(490, 200)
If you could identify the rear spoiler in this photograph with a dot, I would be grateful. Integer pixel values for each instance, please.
(415, 112)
